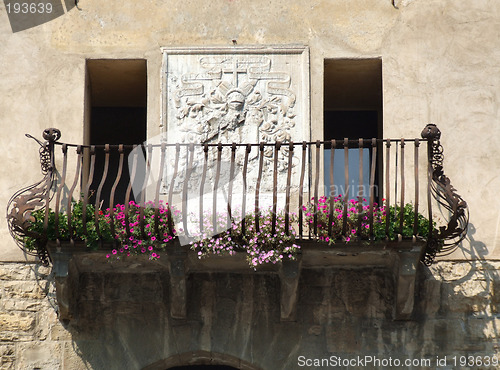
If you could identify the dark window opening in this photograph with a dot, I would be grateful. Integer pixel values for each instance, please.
(353, 110)
(117, 90)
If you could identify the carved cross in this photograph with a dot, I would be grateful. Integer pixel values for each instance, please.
(235, 68)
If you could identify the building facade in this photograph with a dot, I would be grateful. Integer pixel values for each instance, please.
(133, 71)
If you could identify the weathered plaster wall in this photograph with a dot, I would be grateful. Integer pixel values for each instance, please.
(440, 64)
(124, 323)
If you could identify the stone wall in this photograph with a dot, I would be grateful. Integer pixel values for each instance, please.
(123, 320)
(30, 335)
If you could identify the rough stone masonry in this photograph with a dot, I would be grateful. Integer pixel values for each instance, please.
(341, 312)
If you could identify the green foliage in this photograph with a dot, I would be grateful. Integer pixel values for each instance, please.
(355, 213)
(394, 214)
(84, 232)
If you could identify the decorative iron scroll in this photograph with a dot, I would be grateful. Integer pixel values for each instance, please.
(34, 197)
(446, 240)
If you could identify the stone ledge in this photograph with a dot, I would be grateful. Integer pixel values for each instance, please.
(401, 259)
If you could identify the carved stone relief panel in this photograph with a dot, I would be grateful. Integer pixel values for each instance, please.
(235, 95)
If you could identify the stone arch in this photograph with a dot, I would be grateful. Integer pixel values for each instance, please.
(201, 358)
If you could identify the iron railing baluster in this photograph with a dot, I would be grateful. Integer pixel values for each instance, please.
(244, 200)
(332, 189)
(99, 191)
(257, 187)
(288, 188)
(128, 228)
(163, 150)
(171, 191)
(361, 186)
(185, 187)
(402, 202)
(415, 165)
(79, 159)
(60, 189)
(230, 188)
(216, 186)
(372, 187)
(277, 147)
(90, 178)
(301, 190)
(346, 190)
(202, 188)
(316, 189)
(113, 190)
(387, 188)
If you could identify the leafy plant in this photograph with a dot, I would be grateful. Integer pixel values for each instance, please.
(356, 213)
(86, 232)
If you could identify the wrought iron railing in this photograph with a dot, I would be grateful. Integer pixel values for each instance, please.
(235, 179)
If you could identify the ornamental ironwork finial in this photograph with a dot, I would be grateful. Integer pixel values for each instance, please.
(445, 194)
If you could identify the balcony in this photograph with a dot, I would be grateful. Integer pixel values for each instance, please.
(279, 207)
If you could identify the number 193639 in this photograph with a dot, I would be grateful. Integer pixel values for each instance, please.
(29, 8)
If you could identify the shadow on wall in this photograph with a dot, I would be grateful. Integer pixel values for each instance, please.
(461, 303)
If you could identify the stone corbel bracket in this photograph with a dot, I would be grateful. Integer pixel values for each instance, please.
(405, 267)
(61, 256)
(289, 274)
(177, 265)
